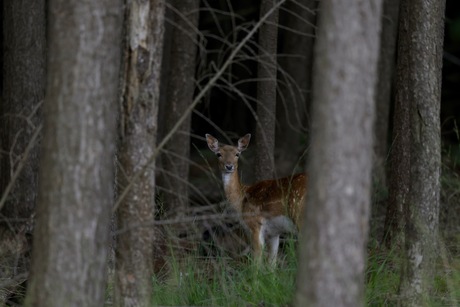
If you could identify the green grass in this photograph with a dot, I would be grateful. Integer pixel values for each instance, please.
(223, 282)
(195, 281)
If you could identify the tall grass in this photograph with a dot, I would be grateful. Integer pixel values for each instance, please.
(198, 281)
(224, 282)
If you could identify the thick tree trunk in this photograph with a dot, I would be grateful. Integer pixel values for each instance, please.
(76, 171)
(295, 73)
(421, 40)
(138, 128)
(334, 236)
(264, 166)
(180, 88)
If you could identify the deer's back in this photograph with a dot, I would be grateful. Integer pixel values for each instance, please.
(271, 198)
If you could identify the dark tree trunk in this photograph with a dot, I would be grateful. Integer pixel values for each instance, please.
(295, 73)
(179, 96)
(23, 92)
(264, 166)
(138, 128)
(20, 130)
(421, 41)
(399, 157)
(334, 236)
(71, 238)
(386, 67)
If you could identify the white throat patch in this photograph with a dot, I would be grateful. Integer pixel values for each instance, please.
(226, 178)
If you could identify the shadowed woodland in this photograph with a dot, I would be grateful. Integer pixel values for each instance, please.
(112, 195)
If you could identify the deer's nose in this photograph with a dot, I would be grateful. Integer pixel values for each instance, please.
(229, 167)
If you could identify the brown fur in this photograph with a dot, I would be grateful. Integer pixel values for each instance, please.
(262, 203)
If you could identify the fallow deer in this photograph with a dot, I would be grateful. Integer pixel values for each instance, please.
(268, 208)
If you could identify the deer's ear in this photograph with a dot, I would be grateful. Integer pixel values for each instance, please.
(213, 143)
(244, 142)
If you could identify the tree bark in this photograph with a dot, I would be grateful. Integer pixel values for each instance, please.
(399, 162)
(295, 73)
(23, 92)
(264, 166)
(386, 67)
(421, 41)
(138, 128)
(20, 131)
(180, 88)
(76, 171)
(334, 236)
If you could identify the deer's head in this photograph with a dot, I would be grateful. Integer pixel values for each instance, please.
(228, 155)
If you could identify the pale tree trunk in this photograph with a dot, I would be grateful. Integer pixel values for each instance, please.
(295, 73)
(334, 236)
(20, 126)
(136, 175)
(179, 96)
(71, 237)
(420, 64)
(264, 166)
(386, 67)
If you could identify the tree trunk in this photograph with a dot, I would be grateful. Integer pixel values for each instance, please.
(399, 156)
(180, 88)
(334, 236)
(383, 96)
(20, 130)
(138, 128)
(23, 92)
(421, 41)
(71, 238)
(294, 98)
(264, 166)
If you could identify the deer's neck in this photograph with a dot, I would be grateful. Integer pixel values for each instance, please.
(234, 190)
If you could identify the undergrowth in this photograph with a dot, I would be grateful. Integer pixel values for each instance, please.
(201, 281)
(224, 282)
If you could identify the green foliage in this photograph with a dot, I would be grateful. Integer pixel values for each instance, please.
(223, 282)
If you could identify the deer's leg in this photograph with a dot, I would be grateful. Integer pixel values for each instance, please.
(257, 240)
(274, 243)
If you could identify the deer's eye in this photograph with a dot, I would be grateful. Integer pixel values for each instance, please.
(218, 155)
(237, 155)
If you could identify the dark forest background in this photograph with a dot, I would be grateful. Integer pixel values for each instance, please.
(108, 181)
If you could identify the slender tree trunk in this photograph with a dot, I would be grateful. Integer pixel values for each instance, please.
(398, 185)
(266, 93)
(421, 41)
(334, 236)
(138, 128)
(71, 238)
(294, 98)
(180, 88)
(386, 67)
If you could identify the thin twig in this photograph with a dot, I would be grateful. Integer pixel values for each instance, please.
(21, 164)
